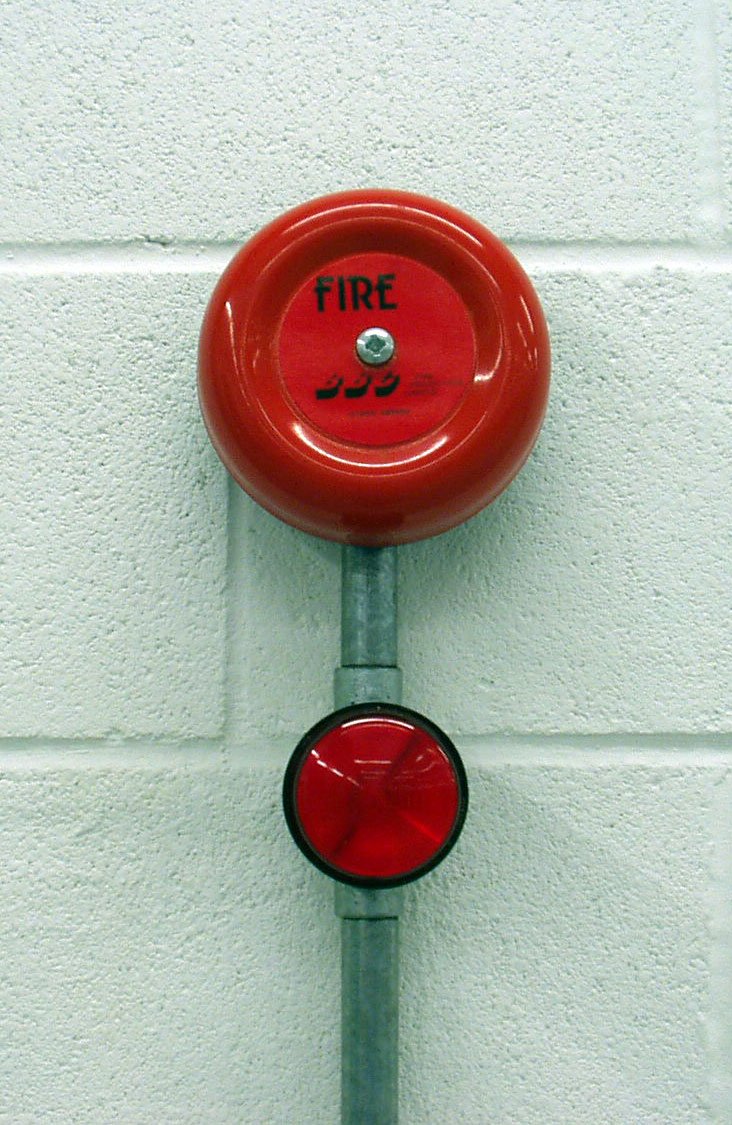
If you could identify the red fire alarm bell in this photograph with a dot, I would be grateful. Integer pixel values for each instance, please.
(375, 795)
(374, 367)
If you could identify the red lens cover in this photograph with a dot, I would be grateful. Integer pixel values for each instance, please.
(375, 794)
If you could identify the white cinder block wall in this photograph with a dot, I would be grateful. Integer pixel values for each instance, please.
(166, 956)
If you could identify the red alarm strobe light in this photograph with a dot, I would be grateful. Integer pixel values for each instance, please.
(375, 795)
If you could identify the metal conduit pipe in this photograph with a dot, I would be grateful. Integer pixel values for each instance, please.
(369, 917)
(368, 671)
(369, 1004)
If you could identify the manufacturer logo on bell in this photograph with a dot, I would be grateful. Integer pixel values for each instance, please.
(382, 385)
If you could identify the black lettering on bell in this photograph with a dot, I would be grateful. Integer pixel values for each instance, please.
(321, 288)
(359, 386)
(383, 285)
(386, 384)
(342, 293)
(330, 388)
(361, 289)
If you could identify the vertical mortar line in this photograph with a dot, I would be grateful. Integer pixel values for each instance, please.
(719, 1030)
(708, 87)
(229, 615)
(369, 916)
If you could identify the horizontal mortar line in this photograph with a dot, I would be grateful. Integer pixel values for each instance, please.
(32, 754)
(678, 741)
(145, 257)
(624, 259)
(481, 752)
(612, 748)
(626, 748)
(136, 257)
(112, 743)
(499, 755)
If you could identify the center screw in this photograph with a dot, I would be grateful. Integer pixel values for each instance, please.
(375, 346)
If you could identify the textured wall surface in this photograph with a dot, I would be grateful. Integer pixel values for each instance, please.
(166, 956)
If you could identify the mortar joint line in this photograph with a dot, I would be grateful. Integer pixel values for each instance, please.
(211, 257)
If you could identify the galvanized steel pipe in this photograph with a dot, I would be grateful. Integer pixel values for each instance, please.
(369, 917)
(368, 671)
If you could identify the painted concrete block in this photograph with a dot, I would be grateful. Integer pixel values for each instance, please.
(561, 959)
(113, 512)
(719, 1024)
(168, 955)
(285, 625)
(161, 961)
(723, 27)
(170, 121)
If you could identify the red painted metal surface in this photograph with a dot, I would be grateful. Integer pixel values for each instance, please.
(417, 445)
(408, 397)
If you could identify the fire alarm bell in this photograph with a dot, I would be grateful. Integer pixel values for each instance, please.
(374, 367)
